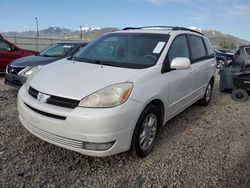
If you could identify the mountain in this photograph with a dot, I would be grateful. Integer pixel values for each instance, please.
(88, 33)
(218, 39)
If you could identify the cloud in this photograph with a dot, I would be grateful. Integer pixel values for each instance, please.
(238, 10)
(168, 1)
(200, 10)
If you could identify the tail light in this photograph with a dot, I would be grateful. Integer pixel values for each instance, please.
(235, 56)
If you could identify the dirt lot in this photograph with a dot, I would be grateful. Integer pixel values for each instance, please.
(201, 147)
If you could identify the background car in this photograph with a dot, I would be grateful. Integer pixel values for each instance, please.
(9, 52)
(241, 55)
(223, 58)
(18, 70)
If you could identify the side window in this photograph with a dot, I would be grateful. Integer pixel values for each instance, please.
(197, 47)
(178, 48)
(209, 48)
(4, 45)
(247, 51)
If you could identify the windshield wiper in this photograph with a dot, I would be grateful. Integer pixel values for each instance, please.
(93, 61)
(45, 55)
(98, 62)
(72, 57)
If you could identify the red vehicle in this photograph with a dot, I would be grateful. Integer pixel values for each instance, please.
(9, 52)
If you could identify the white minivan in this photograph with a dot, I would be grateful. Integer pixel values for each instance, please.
(114, 94)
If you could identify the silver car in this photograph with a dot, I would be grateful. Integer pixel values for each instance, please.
(114, 94)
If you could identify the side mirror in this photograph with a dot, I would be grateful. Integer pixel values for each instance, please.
(13, 48)
(180, 63)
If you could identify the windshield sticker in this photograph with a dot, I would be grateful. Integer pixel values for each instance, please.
(159, 47)
(67, 46)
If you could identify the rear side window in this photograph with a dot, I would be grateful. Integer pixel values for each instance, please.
(179, 48)
(197, 48)
(247, 51)
(208, 45)
(4, 46)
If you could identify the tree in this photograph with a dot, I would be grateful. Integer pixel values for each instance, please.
(227, 45)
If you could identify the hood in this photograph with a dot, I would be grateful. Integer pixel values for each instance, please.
(76, 80)
(33, 61)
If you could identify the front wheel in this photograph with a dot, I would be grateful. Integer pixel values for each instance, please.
(146, 130)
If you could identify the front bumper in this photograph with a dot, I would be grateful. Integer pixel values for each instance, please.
(14, 80)
(82, 125)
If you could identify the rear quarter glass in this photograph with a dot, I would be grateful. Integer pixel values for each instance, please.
(247, 51)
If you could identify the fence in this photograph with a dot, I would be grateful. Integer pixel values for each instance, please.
(33, 43)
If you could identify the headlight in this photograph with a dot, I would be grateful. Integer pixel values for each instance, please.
(34, 71)
(111, 96)
(6, 70)
(28, 71)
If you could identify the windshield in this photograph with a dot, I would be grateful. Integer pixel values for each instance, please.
(128, 50)
(57, 50)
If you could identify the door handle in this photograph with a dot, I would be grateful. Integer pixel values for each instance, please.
(192, 69)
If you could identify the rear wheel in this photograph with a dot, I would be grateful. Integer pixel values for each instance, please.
(205, 100)
(146, 130)
(239, 95)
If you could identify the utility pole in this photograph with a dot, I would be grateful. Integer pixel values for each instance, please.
(81, 32)
(37, 31)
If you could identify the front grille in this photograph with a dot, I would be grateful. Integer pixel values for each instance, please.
(57, 139)
(45, 113)
(57, 101)
(14, 70)
(33, 92)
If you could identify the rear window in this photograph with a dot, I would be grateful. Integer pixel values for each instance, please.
(197, 47)
(237, 52)
(247, 51)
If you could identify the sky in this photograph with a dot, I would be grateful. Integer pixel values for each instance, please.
(228, 16)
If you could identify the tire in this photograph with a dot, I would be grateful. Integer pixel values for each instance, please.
(205, 100)
(146, 130)
(239, 95)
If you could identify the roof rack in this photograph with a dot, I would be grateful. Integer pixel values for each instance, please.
(174, 28)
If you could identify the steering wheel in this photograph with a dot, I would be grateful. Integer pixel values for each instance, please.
(150, 56)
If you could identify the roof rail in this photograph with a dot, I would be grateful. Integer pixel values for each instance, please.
(174, 28)
(187, 29)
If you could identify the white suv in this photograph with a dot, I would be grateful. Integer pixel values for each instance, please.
(114, 94)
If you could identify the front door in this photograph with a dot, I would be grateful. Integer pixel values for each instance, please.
(180, 87)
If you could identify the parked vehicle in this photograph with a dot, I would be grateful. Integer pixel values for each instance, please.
(114, 94)
(10, 52)
(242, 54)
(241, 83)
(223, 58)
(19, 70)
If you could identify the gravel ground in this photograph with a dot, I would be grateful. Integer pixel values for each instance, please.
(201, 147)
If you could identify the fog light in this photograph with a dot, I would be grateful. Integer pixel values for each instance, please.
(98, 146)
